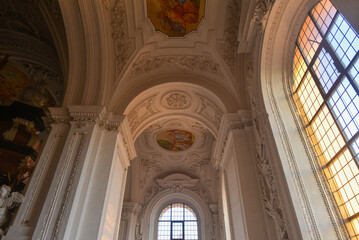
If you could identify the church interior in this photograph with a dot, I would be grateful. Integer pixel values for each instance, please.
(179, 119)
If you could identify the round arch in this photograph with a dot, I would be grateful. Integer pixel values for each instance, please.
(308, 192)
(168, 196)
(130, 90)
(175, 100)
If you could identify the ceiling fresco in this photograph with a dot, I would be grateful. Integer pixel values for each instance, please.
(175, 18)
(17, 86)
(175, 140)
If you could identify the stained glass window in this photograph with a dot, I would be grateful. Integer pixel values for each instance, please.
(177, 221)
(326, 92)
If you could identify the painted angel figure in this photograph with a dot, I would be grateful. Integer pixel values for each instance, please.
(8, 200)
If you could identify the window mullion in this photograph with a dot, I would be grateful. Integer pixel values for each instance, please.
(315, 114)
(350, 79)
(346, 145)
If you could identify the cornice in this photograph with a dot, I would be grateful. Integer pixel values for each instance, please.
(127, 139)
(59, 115)
(186, 63)
(83, 113)
(229, 122)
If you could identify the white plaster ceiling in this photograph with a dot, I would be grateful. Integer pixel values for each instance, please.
(146, 57)
(175, 83)
(174, 106)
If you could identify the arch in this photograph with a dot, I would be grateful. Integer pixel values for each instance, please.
(177, 214)
(91, 65)
(315, 210)
(151, 106)
(168, 196)
(127, 91)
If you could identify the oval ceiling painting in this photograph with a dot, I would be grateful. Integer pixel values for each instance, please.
(175, 140)
(175, 18)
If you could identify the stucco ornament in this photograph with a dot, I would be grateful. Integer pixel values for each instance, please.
(176, 100)
(261, 12)
(185, 64)
(228, 46)
(8, 200)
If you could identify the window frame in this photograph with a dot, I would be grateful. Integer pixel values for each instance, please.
(293, 153)
(343, 73)
(169, 206)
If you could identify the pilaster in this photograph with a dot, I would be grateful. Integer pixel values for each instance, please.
(39, 186)
(77, 189)
(234, 156)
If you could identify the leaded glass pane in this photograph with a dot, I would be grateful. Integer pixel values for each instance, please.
(309, 39)
(344, 40)
(177, 230)
(329, 103)
(343, 105)
(327, 134)
(354, 72)
(324, 13)
(309, 96)
(299, 68)
(325, 70)
(177, 221)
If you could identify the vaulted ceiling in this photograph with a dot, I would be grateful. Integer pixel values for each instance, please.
(167, 65)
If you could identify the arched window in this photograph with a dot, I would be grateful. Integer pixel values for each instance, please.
(326, 89)
(177, 221)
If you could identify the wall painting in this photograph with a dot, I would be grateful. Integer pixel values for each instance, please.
(175, 140)
(175, 18)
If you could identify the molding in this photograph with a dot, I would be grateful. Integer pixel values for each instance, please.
(44, 163)
(59, 115)
(51, 212)
(266, 176)
(227, 48)
(268, 188)
(230, 122)
(69, 187)
(210, 111)
(278, 119)
(329, 201)
(141, 112)
(127, 139)
(176, 100)
(81, 113)
(252, 23)
(150, 167)
(177, 180)
(130, 209)
(160, 198)
(185, 63)
(125, 46)
(261, 13)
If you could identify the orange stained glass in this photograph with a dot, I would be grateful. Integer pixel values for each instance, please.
(327, 134)
(324, 13)
(299, 68)
(337, 151)
(353, 227)
(309, 96)
(309, 39)
(344, 173)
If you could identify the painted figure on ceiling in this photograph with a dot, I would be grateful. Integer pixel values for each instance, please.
(175, 17)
